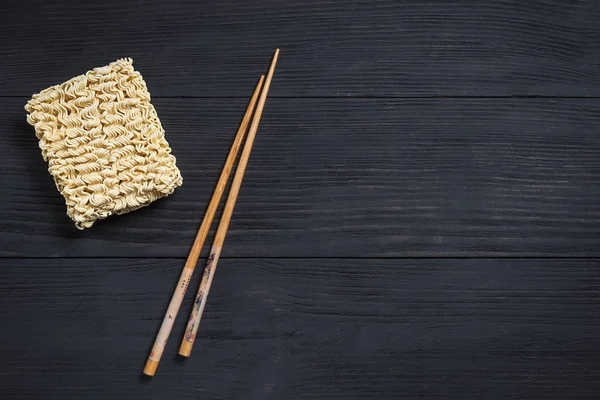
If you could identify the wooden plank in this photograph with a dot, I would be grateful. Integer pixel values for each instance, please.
(311, 329)
(374, 48)
(343, 177)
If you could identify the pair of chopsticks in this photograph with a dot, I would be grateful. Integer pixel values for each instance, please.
(215, 251)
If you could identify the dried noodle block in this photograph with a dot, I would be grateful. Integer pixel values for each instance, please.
(103, 142)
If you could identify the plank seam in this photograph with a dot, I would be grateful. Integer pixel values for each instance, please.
(365, 97)
(316, 258)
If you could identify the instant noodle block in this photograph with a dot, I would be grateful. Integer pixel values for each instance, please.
(103, 142)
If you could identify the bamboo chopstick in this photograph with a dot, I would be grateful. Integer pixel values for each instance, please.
(190, 264)
(215, 251)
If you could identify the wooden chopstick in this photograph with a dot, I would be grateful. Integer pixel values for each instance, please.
(215, 251)
(190, 264)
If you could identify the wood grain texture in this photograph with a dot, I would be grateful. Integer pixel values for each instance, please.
(333, 48)
(419, 218)
(343, 177)
(310, 329)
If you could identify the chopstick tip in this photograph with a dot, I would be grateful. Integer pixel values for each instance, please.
(150, 368)
(185, 350)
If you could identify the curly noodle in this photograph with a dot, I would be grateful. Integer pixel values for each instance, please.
(103, 142)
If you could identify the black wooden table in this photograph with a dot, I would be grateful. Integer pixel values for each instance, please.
(420, 217)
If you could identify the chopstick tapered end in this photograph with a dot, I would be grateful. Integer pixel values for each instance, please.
(186, 348)
(150, 368)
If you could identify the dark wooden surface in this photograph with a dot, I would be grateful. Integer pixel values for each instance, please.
(420, 217)
(314, 329)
